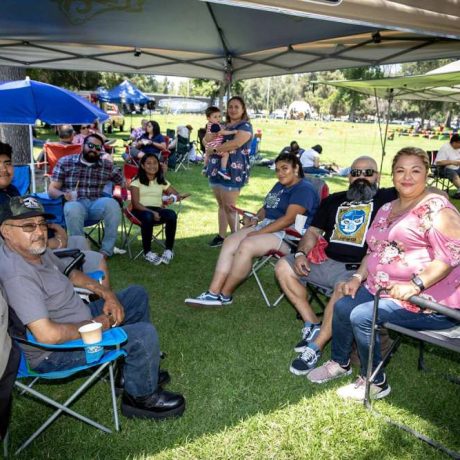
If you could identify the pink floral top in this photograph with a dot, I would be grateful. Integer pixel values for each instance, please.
(400, 248)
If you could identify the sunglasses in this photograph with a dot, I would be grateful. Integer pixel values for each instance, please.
(84, 127)
(97, 147)
(30, 228)
(362, 172)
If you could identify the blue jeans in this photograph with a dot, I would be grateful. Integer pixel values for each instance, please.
(106, 209)
(315, 170)
(353, 320)
(143, 358)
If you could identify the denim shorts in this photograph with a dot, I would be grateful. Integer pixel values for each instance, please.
(225, 187)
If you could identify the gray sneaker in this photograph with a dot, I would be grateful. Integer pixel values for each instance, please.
(356, 390)
(330, 370)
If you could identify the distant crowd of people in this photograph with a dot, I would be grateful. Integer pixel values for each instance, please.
(404, 239)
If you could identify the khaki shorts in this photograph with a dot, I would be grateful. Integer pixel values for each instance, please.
(326, 275)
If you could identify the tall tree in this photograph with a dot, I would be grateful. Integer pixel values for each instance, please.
(15, 135)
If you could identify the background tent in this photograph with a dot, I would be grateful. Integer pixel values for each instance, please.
(432, 86)
(126, 92)
(225, 40)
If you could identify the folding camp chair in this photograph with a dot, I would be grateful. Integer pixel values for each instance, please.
(55, 206)
(183, 146)
(111, 341)
(131, 235)
(449, 340)
(292, 239)
(54, 151)
(21, 178)
(437, 177)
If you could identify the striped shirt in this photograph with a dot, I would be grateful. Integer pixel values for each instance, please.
(91, 179)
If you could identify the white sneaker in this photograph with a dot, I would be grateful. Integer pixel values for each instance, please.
(357, 390)
(167, 256)
(153, 258)
(119, 251)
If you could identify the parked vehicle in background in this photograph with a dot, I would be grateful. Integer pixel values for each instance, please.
(116, 120)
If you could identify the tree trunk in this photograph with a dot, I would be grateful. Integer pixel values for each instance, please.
(448, 120)
(15, 135)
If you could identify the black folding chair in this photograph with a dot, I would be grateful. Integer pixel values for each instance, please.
(437, 338)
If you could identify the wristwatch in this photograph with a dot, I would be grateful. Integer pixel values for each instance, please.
(418, 282)
(299, 253)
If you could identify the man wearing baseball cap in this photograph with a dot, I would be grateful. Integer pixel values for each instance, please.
(44, 300)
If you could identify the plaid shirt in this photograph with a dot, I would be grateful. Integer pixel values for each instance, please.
(70, 171)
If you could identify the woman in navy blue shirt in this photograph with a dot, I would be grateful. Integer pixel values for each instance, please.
(238, 145)
(152, 141)
(263, 232)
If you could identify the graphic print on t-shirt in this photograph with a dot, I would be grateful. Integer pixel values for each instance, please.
(351, 224)
(273, 198)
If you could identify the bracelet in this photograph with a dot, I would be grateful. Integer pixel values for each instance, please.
(59, 241)
(358, 276)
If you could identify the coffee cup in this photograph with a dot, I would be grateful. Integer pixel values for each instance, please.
(91, 333)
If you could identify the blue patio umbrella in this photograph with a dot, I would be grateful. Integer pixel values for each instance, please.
(24, 102)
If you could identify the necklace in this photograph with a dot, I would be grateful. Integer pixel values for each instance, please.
(397, 211)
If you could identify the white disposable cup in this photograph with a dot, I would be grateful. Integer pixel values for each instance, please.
(300, 222)
(91, 333)
(73, 195)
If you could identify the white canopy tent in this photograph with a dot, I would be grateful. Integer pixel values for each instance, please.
(225, 40)
(432, 86)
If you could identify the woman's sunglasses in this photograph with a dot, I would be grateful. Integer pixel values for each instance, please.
(362, 172)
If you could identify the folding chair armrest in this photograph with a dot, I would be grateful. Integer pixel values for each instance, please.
(110, 338)
(438, 308)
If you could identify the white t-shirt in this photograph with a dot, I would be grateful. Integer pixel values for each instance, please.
(308, 158)
(447, 152)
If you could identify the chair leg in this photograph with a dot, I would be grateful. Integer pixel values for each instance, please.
(63, 407)
(6, 440)
(114, 397)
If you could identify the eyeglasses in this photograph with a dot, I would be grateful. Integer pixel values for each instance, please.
(362, 172)
(30, 228)
(97, 147)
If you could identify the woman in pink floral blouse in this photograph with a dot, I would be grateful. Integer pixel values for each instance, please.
(413, 249)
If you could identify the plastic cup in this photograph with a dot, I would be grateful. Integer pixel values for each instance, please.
(300, 222)
(74, 195)
(91, 333)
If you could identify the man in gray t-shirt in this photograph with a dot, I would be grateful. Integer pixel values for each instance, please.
(45, 302)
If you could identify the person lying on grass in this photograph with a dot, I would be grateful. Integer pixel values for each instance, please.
(263, 232)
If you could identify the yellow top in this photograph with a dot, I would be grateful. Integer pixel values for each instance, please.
(150, 195)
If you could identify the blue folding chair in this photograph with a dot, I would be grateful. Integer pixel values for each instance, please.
(21, 178)
(56, 206)
(111, 341)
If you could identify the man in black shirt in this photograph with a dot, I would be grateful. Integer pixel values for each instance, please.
(343, 220)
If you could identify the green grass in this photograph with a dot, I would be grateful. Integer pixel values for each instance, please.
(233, 365)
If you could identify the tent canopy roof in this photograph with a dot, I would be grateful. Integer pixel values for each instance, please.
(126, 92)
(220, 40)
(429, 87)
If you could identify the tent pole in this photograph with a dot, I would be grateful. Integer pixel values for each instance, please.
(383, 139)
(32, 164)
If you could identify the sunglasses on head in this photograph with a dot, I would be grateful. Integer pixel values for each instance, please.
(362, 172)
(97, 147)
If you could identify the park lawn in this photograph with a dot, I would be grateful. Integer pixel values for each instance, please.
(232, 365)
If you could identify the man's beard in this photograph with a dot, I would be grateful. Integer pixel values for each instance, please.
(91, 157)
(361, 190)
(38, 250)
